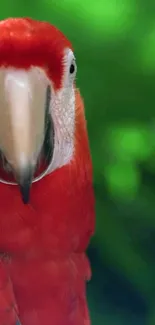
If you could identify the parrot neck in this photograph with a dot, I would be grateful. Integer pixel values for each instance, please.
(59, 219)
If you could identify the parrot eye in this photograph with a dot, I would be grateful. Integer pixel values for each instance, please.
(72, 68)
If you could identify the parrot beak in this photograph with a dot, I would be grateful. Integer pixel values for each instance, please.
(22, 123)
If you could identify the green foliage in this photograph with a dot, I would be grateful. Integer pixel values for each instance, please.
(133, 142)
(122, 179)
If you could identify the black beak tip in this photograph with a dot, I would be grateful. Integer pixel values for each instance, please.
(25, 192)
(25, 181)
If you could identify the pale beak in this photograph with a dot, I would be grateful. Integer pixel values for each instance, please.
(22, 122)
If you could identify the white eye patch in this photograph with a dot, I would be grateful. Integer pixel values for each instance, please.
(62, 110)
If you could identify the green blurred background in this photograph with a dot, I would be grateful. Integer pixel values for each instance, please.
(114, 42)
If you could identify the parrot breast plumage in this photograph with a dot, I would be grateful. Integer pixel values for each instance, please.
(43, 265)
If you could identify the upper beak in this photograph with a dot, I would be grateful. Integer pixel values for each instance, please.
(22, 122)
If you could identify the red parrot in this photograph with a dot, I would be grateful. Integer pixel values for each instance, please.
(46, 192)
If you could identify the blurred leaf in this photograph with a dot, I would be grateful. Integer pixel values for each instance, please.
(130, 142)
(102, 17)
(122, 179)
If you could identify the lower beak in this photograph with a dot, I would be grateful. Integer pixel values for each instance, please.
(22, 122)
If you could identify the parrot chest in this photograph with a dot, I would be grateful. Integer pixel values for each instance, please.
(54, 225)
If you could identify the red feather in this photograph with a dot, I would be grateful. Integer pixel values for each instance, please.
(25, 42)
(46, 239)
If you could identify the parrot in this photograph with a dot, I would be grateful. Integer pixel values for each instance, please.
(47, 200)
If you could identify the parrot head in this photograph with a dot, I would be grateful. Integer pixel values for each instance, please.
(38, 111)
